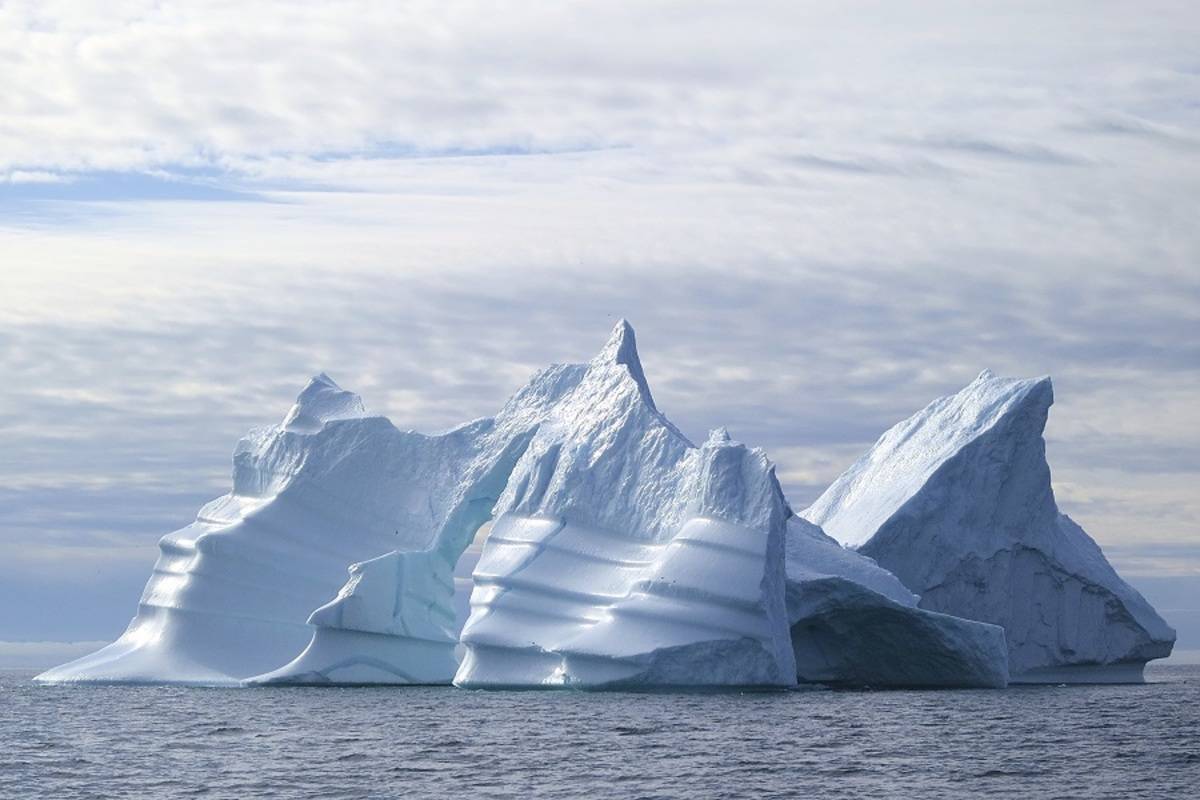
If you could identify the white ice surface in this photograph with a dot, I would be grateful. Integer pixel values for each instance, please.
(813, 555)
(956, 502)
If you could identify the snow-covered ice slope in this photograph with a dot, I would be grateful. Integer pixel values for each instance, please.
(956, 502)
(854, 623)
(329, 488)
(622, 555)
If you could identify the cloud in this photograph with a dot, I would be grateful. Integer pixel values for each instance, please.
(1017, 151)
(1111, 124)
(106, 186)
(147, 84)
(23, 177)
(819, 220)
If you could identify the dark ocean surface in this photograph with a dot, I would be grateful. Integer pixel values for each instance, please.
(1031, 742)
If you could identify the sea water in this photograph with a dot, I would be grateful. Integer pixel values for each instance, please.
(1029, 742)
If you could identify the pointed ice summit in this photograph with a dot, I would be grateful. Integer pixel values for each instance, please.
(623, 555)
(956, 502)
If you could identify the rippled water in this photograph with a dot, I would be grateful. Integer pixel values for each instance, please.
(1041, 742)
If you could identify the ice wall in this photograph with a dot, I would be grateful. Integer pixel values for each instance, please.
(854, 624)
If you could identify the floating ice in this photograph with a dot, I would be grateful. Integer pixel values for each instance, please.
(956, 502)
(621, 555)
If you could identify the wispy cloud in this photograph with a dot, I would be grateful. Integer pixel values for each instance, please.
(1017, 151)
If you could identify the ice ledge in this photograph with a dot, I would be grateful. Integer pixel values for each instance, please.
(321, 401)
(1083, 674)
(357, 658)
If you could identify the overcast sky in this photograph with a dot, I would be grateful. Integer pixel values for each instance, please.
(818, 221)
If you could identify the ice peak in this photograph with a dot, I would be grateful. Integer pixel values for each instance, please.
(1001, 396)
(718, 436)
(621, 348)
(898, 465)
(987, 376)
(321, 401)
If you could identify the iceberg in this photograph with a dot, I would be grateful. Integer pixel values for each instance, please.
(956, 502)
(621, 555)
(624, 556)
(854, 624)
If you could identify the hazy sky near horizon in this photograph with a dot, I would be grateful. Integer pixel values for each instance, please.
(818, 220)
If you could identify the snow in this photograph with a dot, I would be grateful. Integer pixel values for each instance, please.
(812, 555)
(956, 501)
(322, 401)
(392, 622)
(230, 593)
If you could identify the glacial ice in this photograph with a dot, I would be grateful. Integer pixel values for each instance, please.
(622, 555)
(956, 502)
(232, 597)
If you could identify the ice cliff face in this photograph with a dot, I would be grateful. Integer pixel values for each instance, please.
(622, 555)
(956, 502)
(854, 624)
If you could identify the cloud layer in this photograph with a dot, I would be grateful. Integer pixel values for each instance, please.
(818, 221)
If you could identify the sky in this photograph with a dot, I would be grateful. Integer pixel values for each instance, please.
(818, 219)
